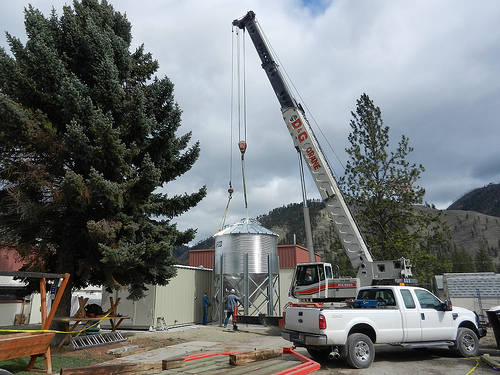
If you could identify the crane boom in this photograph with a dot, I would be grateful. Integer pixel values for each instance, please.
(306, 143)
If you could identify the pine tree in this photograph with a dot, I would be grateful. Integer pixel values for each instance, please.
(87, 138)
(462, 261)
(483, 260)
(381, 186)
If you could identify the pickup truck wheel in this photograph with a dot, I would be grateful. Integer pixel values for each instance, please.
(467, 343)
(360, 350)
(319, 354)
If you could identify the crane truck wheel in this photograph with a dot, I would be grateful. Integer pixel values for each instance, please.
(467, 343)
(360, 350)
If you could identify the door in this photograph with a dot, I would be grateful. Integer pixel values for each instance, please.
(436, 324)
(411, 317)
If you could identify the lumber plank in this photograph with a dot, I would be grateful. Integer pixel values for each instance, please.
(114, 369)
(239, 359)
(167, 364)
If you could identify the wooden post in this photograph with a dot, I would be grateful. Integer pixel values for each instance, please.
(43, 300)
(81, 309)
(57, 299)
(47, 320)
(43, 310)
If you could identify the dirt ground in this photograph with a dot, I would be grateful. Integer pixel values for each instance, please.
(258, 337)
(388, 359)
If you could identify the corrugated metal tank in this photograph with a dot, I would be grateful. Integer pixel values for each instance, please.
(245, 237)
(246, 259)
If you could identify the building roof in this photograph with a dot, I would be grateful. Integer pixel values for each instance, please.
(484, 284)
(246, 226)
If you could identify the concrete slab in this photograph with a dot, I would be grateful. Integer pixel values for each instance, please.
(171, 351)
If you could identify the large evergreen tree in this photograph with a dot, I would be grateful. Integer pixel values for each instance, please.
(381, 185)
(87, 137)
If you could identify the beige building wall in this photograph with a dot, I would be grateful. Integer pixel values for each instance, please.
(178, 303)
(473, 303)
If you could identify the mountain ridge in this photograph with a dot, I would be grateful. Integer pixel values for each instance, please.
(470, 230)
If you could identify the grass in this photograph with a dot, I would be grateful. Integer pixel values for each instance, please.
(18, 366)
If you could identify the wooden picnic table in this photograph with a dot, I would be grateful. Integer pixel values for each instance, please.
(81, 317)
(87, 322)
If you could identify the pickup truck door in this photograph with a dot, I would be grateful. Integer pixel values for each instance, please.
(412, 329)
(436, 324)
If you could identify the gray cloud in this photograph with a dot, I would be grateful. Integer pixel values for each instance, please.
(432, 67)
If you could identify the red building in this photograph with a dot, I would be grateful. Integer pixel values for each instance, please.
(289, 256)
(9, 258)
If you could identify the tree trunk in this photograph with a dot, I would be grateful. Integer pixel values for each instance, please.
(65, 264)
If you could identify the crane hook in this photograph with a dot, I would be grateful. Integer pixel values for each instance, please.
(243, 147)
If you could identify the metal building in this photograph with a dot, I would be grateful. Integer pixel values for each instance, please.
(177, 303)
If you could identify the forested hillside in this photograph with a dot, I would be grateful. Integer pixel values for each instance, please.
(475, 235)
(485, 200)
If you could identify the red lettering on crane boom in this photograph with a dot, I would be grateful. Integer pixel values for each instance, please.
(297, 125)
(313, 160)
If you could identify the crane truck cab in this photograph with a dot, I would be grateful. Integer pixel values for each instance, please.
(315, 282)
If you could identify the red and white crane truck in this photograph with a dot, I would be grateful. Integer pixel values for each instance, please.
(402, 315)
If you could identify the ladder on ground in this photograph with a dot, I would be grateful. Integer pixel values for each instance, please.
(99, 339)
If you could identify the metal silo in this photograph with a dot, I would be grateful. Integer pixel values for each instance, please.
(246, 259)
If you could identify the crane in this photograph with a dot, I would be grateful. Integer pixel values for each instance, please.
(315, 281)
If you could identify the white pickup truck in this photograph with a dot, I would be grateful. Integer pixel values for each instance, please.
(398, 315)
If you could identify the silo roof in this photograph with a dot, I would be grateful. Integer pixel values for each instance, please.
(246, 226)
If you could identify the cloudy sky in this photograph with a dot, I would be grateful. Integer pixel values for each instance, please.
(433, 68)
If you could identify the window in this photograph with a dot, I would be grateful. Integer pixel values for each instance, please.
(307, 275)
(384, 297)
(428, 300)
(321, 273)
(408, 299)
(328, 271)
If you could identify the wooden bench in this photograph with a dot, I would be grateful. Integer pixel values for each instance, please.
(17, 345)
(34, 344)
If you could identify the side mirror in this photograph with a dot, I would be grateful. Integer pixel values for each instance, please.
(447, 306)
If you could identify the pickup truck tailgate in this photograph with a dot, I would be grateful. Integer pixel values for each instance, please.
(302, 319)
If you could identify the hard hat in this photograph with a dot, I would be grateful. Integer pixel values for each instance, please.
(233, 291)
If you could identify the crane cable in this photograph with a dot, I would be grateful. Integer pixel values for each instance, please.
(242, 145)
(242, 110)
(230, 190)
